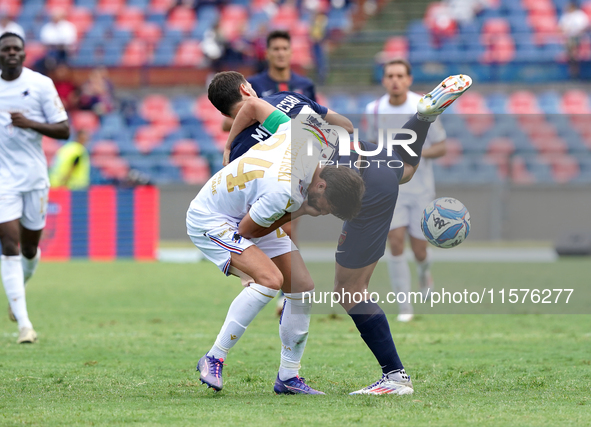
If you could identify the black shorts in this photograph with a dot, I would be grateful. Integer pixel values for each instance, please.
(363, 240)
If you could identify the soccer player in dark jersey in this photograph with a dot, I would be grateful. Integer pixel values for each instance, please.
(363, 239)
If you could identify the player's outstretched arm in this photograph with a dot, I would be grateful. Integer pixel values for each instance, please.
(254, 110)
(336, 119)
(59, 130)
(409, 171)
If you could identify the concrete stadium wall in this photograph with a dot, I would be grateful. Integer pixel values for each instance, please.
(498, 212)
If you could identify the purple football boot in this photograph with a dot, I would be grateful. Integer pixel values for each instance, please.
(295, 385)
(211, 372)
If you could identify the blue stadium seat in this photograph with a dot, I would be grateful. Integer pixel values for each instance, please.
(156, 17)
(416, 28)
(164, 53)
(497, 103)
(143, 4)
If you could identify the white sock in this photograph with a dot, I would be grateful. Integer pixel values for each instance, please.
(30, 265)
(242, 311)
(400, 280)
(426, 118)
(423, 270)
(400, 375)
(14, 285)
(293, 331)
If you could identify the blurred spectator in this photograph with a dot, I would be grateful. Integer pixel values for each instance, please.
(7, 25)
(318, 36)
(213, 46)
(96, 93)
(66, 89)
(71, 166)
(573, 23)
(464, 11)
(59, 37)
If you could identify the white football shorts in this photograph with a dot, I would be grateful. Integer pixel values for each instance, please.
(220, 241)
(408, 213)
(30, 207)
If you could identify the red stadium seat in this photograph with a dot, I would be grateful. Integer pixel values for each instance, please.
(162, 6)
(300, 29)
(519, 172)
(586, 7)
(183, 151)
(104, 152)
(453, 153)
(154, 106)
(534, 5)
(130, 18)
(148, 137)
(35, 51)
(549, 145)
(137, 53)
(189, 54)
(575, 101)
(501, 146)
(501, 49)
(181, 18)
(286, 17)
(50, 147)
(471, 103)
(564, 168)
(478, 124)
(84, 120)
(523, 102)
(82, 19)
(59, 5)
(196, 171)
(10, 7)
(395, 47)
(233, 20)
(301, 52)
(150, 32)
(117, 168)
(110, 6)
(205, 110)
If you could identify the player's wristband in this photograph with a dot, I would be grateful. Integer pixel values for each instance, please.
(275, 119)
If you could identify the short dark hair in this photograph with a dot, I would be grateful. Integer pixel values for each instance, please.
(399, 61)
(344, 191)
(6, 35)
(224, 90)
(278, 34)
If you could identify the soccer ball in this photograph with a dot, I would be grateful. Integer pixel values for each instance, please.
(445, 222)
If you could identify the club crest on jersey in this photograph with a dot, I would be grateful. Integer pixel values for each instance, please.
(26, 93)
(236, 238)
(342, 237)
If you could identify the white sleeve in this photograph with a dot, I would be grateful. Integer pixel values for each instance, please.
(271, 207)
(437, 132)
(51, 104)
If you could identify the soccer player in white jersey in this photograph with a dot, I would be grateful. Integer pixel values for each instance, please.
(391, 111)
(235, 221)
(29, 108)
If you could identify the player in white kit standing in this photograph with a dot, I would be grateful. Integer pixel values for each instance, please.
(391, 111)
(29, 108)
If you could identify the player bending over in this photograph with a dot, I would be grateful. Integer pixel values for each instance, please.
(235, 221)
(363, 240)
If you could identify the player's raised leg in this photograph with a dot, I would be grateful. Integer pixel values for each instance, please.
(294, 323)
(436, 101)
(373, 326)
(267, 282)
(13, 280)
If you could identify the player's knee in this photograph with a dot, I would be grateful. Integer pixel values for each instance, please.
(420, 254)
(10, 247)
(270, 279)
(29, 251)
(396, 246)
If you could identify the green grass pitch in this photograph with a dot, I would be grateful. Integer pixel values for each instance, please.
(118, 344)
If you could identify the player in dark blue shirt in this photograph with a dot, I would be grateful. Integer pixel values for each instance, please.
(279, 77)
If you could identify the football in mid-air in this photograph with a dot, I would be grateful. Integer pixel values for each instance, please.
(445, 222)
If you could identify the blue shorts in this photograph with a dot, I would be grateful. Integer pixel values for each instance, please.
(363, 240)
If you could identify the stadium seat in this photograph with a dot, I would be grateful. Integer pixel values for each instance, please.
(150, 32)
(493, 28)
(117, 168)
(162, 6)
(111, 7)
(565, 168)
(183, 151)
(35, 51)
(130, 18)
(523, 102)
(301, 52)
(286, 17)
(82, 19)
(58, 5)
(519, 172)
(189, 54)
(196, 171)
(181, 19)
(84, 120)
(103, 152)
(453, 153)
(154, 106)
(471, 103)
(148, 137)
(501, 49)
(395, 47)
(575, 101)
(136, 54)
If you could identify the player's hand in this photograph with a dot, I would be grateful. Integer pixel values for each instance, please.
(20, 121)
(226, 157)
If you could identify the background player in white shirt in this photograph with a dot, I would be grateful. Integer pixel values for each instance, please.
(391, 111)
(29, 108)
(235, 220)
